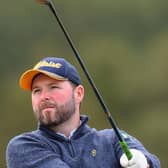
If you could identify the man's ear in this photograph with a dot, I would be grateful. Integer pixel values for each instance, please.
(79, 93)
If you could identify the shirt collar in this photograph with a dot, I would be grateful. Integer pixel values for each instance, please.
(70, 135)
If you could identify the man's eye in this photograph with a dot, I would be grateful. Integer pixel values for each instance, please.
(54, 86)
(35, 91)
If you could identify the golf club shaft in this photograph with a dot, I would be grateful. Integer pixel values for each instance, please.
(123, 144)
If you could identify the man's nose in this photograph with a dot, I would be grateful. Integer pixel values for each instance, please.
(45, 95)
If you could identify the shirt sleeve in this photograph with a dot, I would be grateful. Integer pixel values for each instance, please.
(27, 152)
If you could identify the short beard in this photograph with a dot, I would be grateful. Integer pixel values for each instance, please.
(62, 113)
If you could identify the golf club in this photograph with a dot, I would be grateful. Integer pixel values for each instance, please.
(123, 144)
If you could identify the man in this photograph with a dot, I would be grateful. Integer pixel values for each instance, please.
(63, 138)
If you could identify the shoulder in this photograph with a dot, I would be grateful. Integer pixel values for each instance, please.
(24, 137)
(28, 150)
(106, 132)
(107, 135)
(110, 133)
(24, 148)
(21, 141)
(110, 136)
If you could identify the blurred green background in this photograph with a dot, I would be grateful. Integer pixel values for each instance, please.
(124, 45)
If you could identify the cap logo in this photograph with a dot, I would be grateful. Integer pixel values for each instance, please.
(47, 64)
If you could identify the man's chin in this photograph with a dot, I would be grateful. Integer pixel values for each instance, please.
(49, 123)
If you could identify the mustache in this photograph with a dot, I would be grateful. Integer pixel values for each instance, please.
(46, 104)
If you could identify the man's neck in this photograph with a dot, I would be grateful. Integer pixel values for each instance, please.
(68, 126)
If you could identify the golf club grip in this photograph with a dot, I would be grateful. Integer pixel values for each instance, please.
(126, 150)
(123, 144)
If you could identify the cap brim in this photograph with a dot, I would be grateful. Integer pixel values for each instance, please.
(27, 77)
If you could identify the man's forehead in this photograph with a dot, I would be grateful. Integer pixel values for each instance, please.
(44, 79)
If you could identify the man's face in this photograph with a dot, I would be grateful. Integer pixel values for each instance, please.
(53, 101)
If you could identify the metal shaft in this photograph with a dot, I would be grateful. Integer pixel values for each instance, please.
(123, 144)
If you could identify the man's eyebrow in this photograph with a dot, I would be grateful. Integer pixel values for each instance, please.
(34, 87)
